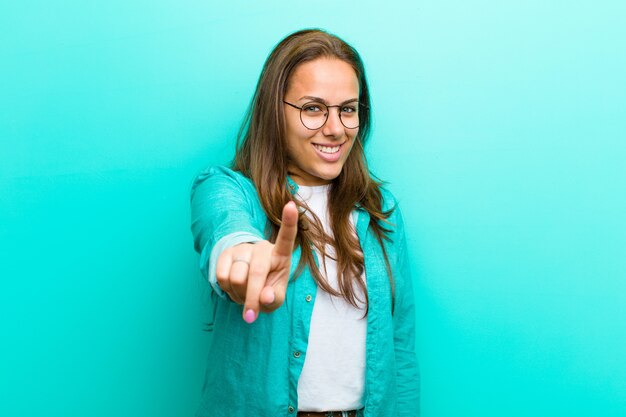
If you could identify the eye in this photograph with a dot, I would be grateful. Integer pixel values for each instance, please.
(349, 109)
(312, 108)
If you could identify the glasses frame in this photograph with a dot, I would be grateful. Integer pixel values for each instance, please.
(339, 106)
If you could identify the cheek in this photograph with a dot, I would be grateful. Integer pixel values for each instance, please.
(353, 139)
(293, 153)
(297, 133)
(297, 147)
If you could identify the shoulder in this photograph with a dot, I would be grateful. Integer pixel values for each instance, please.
(220, 179)
(389, 200)
(220, 173)
(391, 203)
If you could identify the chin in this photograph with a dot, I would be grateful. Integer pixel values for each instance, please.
(329, 176)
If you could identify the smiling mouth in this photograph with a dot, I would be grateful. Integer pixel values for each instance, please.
(327, 149)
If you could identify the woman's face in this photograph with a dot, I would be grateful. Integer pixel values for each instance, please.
(317, 156)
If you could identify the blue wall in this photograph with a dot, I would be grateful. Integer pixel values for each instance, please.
(500, 126)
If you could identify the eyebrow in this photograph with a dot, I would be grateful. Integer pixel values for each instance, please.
(321, 100)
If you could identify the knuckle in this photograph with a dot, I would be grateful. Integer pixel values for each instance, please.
(238, 280)
(257, 270)
(263, 245)
(242, 248)
(221, 278)
(262, 250)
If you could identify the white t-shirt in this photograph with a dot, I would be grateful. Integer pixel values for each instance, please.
(333, 376)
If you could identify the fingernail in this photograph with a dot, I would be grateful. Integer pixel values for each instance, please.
(250, 316)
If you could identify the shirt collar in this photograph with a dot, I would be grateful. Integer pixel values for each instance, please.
(293, 189)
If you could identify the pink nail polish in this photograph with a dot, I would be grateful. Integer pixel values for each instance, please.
(250, 316)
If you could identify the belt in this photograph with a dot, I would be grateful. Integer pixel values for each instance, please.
(351, 413)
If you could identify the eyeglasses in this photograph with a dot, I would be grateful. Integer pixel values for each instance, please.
(314, 115)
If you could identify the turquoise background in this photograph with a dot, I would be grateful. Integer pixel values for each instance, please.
(500, 126)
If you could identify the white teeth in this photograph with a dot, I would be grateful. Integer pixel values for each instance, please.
(327, 149)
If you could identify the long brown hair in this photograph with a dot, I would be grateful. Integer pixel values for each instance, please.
(262, 156)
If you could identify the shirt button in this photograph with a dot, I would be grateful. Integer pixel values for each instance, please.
(296, 354)
(308, 298)
(291, 409)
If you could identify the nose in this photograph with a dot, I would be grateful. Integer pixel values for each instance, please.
(333, 125)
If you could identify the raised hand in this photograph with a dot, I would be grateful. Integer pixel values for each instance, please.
(256, 275)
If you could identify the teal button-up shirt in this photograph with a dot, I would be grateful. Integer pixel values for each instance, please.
(253, 369)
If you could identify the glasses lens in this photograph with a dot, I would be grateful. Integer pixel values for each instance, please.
(313, 115)
(349, 114)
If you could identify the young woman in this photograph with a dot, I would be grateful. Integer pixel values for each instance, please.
(305, 252)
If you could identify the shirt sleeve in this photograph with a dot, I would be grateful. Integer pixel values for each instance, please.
(408, 377)
(221, 216)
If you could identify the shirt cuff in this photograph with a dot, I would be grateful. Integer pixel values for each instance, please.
(208, 266)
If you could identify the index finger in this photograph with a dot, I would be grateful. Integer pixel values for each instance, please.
(288, 230)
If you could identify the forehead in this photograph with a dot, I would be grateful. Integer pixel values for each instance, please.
(328, 78)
